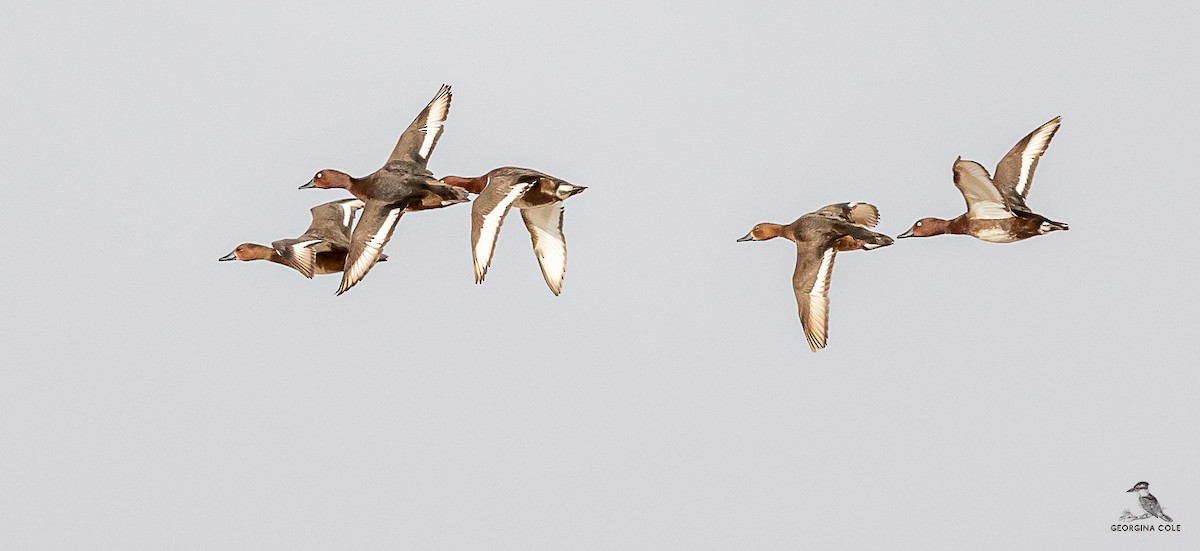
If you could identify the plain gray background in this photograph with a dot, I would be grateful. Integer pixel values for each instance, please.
(972, 396)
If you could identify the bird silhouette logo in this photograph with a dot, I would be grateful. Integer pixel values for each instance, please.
(1149, 504)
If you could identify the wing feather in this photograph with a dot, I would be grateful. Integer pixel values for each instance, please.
(545, 229)
(860, 214)
(984, 201)
(487, 214)
(811, 284)
(1014, 173)
(373, 232)
(418, 140)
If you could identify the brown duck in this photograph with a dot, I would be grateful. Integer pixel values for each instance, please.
(321, 249)
(996, 209)
(539, 197)
(818, 236)
(402, 184)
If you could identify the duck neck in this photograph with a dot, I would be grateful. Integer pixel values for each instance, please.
(771, 231)
(958, 226)
(263, 252)
(472, 185)
(352, 185)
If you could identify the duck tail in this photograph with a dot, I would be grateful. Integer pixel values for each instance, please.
(864, 239)
(1166, 518)
(876, 240)
(450, 194)
(1050, 225)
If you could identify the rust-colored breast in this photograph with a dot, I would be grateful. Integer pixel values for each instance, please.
(848, 243)
(429, 200)
(330, 262)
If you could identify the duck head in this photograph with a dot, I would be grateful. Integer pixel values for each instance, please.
(249, 251)
(763, 232)
(329, 178)
(926, 227)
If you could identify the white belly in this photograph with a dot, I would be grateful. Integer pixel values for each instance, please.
(995, 235)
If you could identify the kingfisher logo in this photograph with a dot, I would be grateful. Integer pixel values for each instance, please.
(1152, 509)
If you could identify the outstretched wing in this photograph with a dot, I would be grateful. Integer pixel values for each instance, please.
(1014, 173)
(984, 201)
(859, 214)
(811, 283)
(374, 230)
(417, 142)
(487, 213)
(545, 229)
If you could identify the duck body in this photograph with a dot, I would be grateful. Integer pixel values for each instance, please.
(402, 184)
(1019, 226)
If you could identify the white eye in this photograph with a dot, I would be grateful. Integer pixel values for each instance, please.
(319, 175)
(919, 223)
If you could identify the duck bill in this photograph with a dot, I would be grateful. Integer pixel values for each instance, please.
(309, 185)
(748, 237)
(908, 233)
(230, 256)
(1133, 489)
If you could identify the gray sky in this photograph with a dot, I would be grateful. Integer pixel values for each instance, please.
(972, 395)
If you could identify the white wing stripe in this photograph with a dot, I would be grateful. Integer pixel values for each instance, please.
(300, 246)
(1033, 150)
(491, 228)
(374, 245)
(552, 256)
(348, 210)
(433, 123)
(818, 302)
(821, 285)
(545, 227)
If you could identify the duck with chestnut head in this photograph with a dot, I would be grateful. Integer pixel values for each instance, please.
(402, 184)
(818, 236)
(996, 209)
(321, 249)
